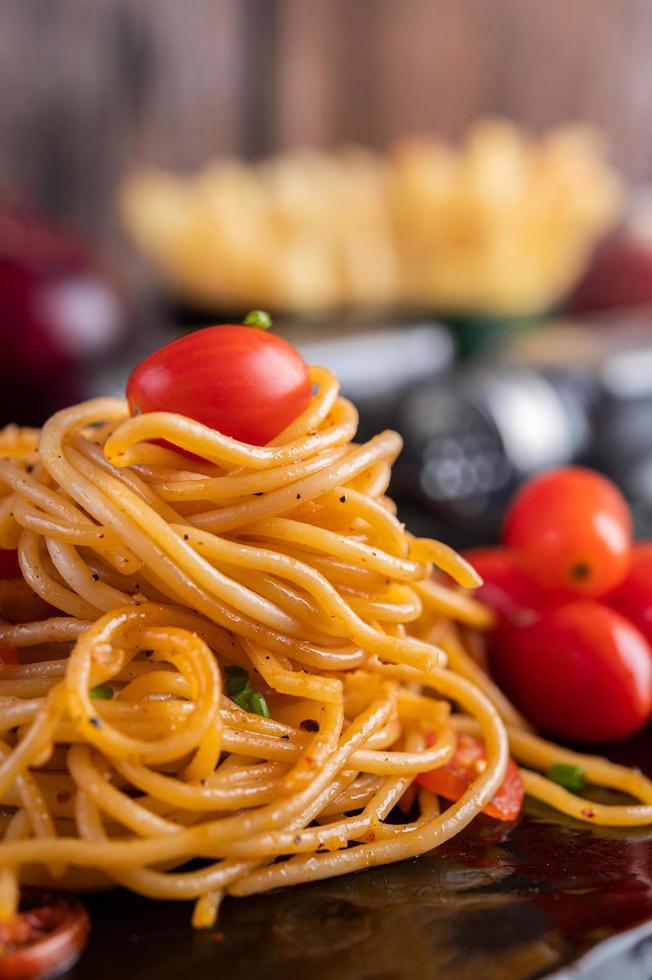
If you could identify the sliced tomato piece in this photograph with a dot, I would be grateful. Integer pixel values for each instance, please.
(42, 942)
(466, 764)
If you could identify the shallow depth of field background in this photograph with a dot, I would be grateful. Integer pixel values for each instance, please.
(92, 92)
(90, 89)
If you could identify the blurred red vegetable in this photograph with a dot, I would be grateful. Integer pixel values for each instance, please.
(634, 597)
(57, 313)
(580, 671)
(619, 274)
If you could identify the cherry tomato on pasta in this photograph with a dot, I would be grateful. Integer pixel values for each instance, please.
(580, 671)
(571, 529)
(246, 383)
(505, 587)
(43, 941)
(466, 764)
(634, 597)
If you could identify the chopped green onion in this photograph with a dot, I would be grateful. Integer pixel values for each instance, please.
(243, 699)
(237, 681)
(103, 692)
(239, 690)
(258, 704)
(570, 777)
(258, 318)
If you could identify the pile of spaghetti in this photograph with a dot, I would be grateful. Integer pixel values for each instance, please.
(233, 664)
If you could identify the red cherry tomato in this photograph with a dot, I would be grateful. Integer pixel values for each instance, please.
(9, 567)
(580, 671)
(43, 941)
(246, 383)
(571, 529)
(466, 764)
(505, 588)
(9, 655)
(634, 597)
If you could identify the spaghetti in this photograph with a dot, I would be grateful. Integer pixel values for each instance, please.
(123, 757)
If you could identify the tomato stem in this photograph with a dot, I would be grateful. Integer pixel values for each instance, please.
(258, 318)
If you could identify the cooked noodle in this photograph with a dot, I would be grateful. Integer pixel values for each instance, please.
(159, 570)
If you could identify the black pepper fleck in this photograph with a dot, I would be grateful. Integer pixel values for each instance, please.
(309, 725)
(95, 722)
(95, 577)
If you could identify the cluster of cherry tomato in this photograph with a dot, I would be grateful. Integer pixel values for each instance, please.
(572, 595)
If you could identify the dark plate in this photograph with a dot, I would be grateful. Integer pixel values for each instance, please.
(496, 903)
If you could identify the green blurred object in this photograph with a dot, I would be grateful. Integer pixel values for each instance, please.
(258, 318)
(102, 692)
(479, 333)
(571, 777)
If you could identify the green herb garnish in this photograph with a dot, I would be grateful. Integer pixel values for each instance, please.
(103, 692)
(258, 318)
(572, 778)
(243, 700)
(237, 681)
(240, 691)
(259, 704)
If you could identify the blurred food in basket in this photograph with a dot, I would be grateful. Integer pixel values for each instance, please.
(503, 225)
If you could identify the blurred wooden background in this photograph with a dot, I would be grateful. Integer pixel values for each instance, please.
(89, 88)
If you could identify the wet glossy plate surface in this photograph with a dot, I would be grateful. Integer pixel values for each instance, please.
(494, 903)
